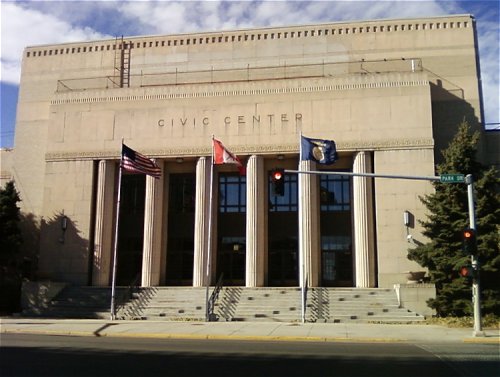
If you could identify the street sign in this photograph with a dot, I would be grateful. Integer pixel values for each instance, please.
(452, 178)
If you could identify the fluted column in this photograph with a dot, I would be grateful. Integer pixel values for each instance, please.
(363, 222)
(201, 214)
(103, 232)
(309, 253)
(153, 214)
(255, 226)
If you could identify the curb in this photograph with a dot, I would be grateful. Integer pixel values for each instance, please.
(181, 336)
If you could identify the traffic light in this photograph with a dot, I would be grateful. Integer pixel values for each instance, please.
(469, 241)
(466, 272)
(278, 179)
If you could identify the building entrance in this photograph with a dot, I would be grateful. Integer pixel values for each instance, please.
(131, 229)
(283, 259)
(231, 229)
(336, 231)
(180, 242)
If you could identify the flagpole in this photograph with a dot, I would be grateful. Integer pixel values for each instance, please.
(115, 248)
(209, 246)
(301, 237)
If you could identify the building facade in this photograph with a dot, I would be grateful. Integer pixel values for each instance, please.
(391, 93)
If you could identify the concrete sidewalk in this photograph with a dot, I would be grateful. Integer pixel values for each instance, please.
(261, 331)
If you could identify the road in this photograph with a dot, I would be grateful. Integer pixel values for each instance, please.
(43, 355)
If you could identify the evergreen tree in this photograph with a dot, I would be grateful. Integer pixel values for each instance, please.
(10, 233)
(448, 217)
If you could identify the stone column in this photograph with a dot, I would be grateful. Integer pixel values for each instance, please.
(255, 225)
(309, 248)
(152, 244)
(364, 243)
(103, 233)
(201, 214)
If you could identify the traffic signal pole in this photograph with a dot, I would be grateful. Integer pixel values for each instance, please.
(476, 296)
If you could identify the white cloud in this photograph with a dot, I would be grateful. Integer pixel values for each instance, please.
(489, 62)
(22, 27)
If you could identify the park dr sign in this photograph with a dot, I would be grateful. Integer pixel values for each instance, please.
(452, 178)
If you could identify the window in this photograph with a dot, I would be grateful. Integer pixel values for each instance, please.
(232, 193)
(335, 193)
(287, 202)
(182, 193)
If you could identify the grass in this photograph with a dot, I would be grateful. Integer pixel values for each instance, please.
(489, 321)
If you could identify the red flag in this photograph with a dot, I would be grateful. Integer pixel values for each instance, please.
(223, 156)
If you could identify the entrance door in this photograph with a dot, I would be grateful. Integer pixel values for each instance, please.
(180, 243)
(283, 260)
(336, 231)
(231, 229)
(131, 229)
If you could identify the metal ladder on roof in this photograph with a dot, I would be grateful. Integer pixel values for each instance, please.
(122, 63)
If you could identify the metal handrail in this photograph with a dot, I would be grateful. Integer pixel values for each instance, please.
(213, 297)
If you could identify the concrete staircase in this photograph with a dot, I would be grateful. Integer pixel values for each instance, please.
(336, 305)
(166, 303)
(259, 304)
(367, 305)
(323, 305)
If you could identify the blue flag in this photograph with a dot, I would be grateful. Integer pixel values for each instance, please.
(319, 150)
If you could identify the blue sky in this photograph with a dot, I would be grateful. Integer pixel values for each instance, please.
(29, 23)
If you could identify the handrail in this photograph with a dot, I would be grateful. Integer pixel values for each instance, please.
(245, 74)
(128, 292)
(213, 297)
(304, 300)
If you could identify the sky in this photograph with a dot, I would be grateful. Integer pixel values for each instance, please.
(31, 23)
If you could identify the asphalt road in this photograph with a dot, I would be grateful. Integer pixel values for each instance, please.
(43, 355)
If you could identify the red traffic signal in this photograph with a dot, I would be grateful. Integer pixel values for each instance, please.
(469, 240)
(278, 180)
(466, 271)
(468, 234)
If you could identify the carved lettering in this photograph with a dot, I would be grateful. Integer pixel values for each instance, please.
(256, 120)
(241, 120)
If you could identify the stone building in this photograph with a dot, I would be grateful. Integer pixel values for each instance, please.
(390, 93)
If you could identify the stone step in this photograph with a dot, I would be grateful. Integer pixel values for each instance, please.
(234, 304)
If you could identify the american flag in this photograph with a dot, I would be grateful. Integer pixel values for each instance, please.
(135, 162)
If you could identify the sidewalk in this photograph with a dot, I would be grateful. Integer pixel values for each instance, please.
(261, 331)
